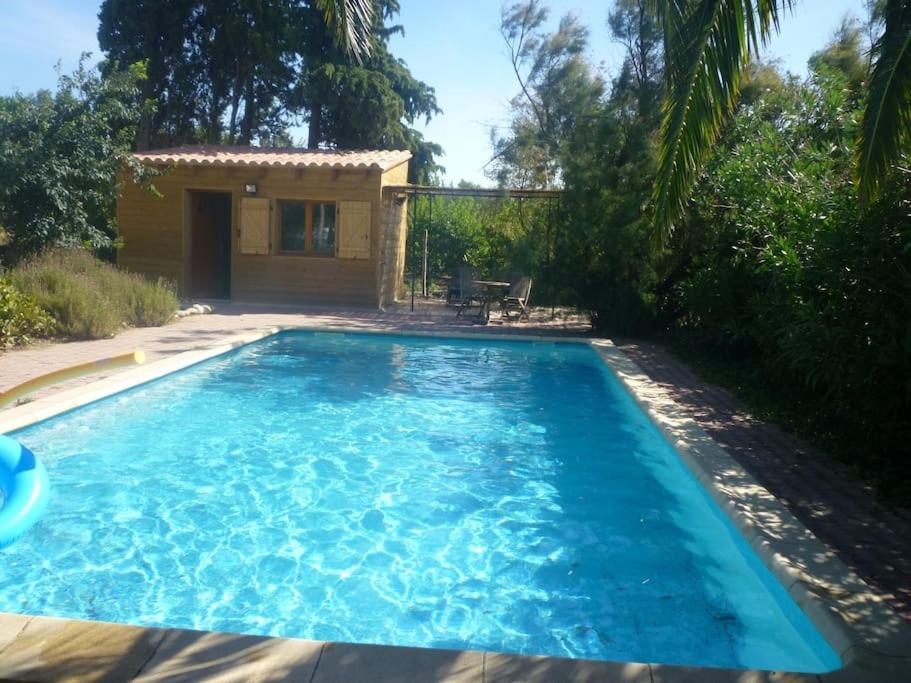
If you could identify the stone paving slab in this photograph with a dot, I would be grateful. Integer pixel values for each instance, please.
(11, 627)
(49, 649)
(69, 650)
(502, 668)
(383, 664)
(206, 656)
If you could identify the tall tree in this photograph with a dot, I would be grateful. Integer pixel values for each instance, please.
(557, 90)
(844, 54)
(632, 24)
(204, 59)
(609, 163)
(369, 104)
(886, 128)
(570, 128)
(155, 32)
(243, 70)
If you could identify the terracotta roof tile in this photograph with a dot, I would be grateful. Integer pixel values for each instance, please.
(291, 157)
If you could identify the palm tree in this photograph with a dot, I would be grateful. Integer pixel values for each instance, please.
(886, 127)
(352, 22)
(708, 45)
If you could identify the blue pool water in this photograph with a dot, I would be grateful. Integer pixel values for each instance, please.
(505, 496)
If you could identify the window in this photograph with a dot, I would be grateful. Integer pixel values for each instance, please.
(294, 226)
(308, 227)
(323, 221)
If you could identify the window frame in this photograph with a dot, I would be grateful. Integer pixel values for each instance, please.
(308, 251)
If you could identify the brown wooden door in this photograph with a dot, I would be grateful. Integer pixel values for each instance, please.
(210, 245)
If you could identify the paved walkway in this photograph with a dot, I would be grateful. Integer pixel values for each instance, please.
(871, 539)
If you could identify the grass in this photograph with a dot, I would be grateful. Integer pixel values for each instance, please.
(91, 299)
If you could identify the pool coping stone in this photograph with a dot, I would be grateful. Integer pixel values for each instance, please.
(873, 642)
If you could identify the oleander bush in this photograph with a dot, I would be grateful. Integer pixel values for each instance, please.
(89, 298)
(21, 318)
(783, 274)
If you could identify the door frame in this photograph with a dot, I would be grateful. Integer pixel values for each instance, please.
(188, 195)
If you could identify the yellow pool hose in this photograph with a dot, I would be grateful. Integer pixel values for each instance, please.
(136, 357)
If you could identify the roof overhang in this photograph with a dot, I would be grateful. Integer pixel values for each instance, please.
(266, 157)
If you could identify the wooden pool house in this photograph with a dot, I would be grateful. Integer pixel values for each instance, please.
(289, 226)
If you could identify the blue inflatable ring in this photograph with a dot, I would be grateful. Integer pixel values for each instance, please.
(25, 487)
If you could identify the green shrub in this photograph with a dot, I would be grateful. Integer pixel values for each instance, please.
(140, 302)
(787, 278)
(81, 310)
(21, 318)
(91, 299)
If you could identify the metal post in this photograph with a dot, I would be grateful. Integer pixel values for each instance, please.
(424, 267)
(548, 260)
(414, 216)
(426, 242)
(553, 302)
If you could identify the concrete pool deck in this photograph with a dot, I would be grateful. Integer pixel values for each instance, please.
(872, 640)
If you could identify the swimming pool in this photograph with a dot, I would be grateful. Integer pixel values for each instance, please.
(505, 496)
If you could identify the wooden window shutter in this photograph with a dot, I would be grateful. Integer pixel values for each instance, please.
(354, 230)
(254, 225)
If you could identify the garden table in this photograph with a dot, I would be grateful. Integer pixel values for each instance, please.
(493, 290)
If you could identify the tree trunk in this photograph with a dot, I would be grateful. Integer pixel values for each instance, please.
(235, 103)
(644, 97)
(143, 132)
(214, 118)
(246, 124)
(315, 133)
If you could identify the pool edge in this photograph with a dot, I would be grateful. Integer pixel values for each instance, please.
(872, 641)
(44, 408)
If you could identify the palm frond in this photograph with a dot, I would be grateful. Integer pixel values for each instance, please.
(352, 21)
(886, 128)
(708, 44)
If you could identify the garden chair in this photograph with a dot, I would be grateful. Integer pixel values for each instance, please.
(517, 297)
(461, 277)
(462, 289)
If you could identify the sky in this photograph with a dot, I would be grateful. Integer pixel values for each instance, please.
(454, 46)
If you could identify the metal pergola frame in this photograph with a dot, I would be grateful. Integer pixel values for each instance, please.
(431, 191)
(491, 192)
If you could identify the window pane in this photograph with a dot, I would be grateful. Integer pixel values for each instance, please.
(324, 228)
(294, 226)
